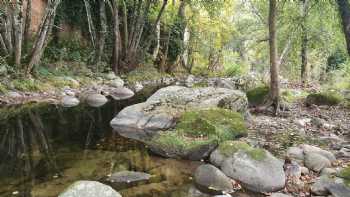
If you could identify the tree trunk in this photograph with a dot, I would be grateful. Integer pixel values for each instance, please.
(18, 31)
(27, 24)
(92, 30)
(156, 48)
(274, 83)
(344, 10)
(116, 34)
(43, 33)
(305, 70)
(102, 33)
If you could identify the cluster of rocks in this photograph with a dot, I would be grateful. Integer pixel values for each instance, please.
(98, 96)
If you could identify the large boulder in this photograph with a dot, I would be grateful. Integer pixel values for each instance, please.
(95, 100)
(324, 98)
(184, 122)
(210, 179)
(89, 189)
(160, 111)
(256, 169)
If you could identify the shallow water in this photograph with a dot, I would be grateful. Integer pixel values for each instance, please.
(45, 148)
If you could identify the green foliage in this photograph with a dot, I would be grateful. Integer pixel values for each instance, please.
(336, 60)
(144, 73)
(345, 174)
(257, 95)
(26, 84)
(229, 148)
(203, 127)
(324, 98)
(3, 88)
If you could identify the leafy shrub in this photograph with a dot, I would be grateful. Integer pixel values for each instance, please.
(26, 85)
(324, 98)
(336, 60)
(257, 96)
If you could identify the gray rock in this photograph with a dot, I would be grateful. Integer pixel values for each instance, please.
(316, 162)
(96, 100)
(121, 93)
(295, 153)
(69, 101)
(293, 170)
(264, 175)
(339, 190)
(12, 94)
(3, 70)
(328, 171)
(279, 195)
(128, 177)
(209, 178)
(111, 76)
(89, 189)
(320, 186)
(216, 158)
(144, 120)
(344, 152)
(308, 149)
(117, 82)
(190, 80)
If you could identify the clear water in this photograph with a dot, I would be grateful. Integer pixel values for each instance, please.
(45, 148)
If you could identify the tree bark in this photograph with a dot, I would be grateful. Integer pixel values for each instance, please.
(43, 33)
(18, 30)
(92, 30)
(344, 10)
(116, 34)
(274, 70)
(305, 70)
(27, 24)
(102, 33)
(157, 47)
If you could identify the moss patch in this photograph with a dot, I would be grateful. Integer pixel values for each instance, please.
(202, 127)
(229, 148)
(324, 98)
(257, 95)
(345, 174)
(3, 89)
(144, 73)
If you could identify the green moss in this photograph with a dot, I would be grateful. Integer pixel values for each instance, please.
(144, 73)
(257, 95)
(229, 148)
(324, 98)
(3, 88)
(202, 127)
(26, 85)
(345, 174)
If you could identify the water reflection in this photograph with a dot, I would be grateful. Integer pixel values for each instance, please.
(44, 148)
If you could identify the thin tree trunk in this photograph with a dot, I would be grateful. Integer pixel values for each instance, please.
(125, 25)
(18, 30)
(27, 24)
(116, 32)
(344, 10)
(3, 45)
(165, 57)
(103, 32)
(43, 34)
(92, 30)
(157, 47)
(274, 70)
(304, 42)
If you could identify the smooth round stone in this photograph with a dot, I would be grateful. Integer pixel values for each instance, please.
(69, 101)
(96, 100)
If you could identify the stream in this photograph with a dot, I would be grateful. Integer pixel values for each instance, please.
(45, 148)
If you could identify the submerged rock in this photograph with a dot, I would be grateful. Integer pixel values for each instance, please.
(89, 189)
(96, 100)
(210, 179)
(69, 101)
(128, 177)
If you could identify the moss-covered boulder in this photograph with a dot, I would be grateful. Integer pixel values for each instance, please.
(257, 96)
(256, 169)
(198, 132)
(163, 109)
(324, 98)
